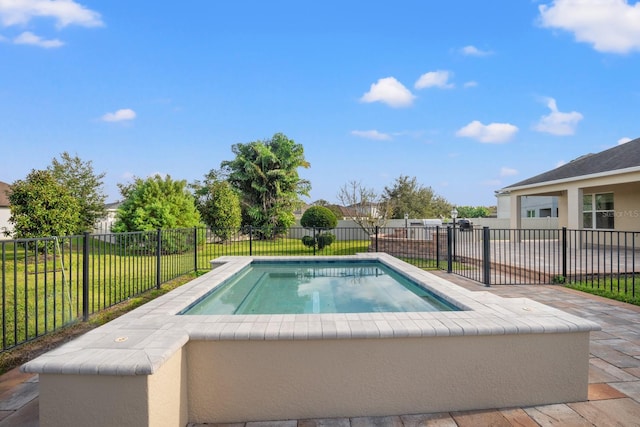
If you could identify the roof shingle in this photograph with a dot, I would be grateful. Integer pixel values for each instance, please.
(621, 156)
(4, 197)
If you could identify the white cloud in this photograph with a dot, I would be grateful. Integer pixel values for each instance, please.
(470, 84)
(494, 133)
(624, 140)
(609, 25)
(119, 116)
(31, 39)
(561, 163)
(389, 91)
(439, 79)
(505, 171)
(64, 12)
(371, 134)
(557, 122)
(474, 51)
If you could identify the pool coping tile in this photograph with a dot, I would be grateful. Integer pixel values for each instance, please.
(126, 347)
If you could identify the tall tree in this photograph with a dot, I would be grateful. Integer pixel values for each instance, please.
(154, 203)
(407, 196)
(84, 185)
(364, 206)
(266, 175)
(41, 207)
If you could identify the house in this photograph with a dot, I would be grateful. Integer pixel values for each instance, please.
(598, 191)
(5, 211)
(103, 225)
(531, 206)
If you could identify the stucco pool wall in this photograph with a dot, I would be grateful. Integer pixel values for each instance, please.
(174, 369)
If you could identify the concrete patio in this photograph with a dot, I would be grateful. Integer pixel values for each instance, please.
(614, 376)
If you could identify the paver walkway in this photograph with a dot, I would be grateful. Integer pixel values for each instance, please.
(614, 376)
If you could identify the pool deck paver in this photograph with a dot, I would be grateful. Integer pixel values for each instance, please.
(614, 376)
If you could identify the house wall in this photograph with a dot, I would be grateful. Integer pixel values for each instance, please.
(626, 200)
(539, 204)
(103, 225)
(625, 186)
(5, 213)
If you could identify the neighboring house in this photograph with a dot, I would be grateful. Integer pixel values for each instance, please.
(5, 211)
(596, 191)
(531, 206)
(347, 212)
(103, 226)
(366, 210)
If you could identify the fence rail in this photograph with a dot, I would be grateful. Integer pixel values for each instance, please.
(47, 283)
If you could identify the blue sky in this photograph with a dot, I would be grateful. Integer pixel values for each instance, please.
(466, 96)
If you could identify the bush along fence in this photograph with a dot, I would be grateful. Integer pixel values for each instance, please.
(47, 283)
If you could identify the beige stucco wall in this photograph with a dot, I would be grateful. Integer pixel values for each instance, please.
(625, 186)
(116, 400)
(261, 380)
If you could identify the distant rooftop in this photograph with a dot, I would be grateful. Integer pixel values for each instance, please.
(4, 197)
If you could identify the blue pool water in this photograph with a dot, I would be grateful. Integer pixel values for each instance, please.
(305, 287)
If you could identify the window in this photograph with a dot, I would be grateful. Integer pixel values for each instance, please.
(531, 213)
(597, 211)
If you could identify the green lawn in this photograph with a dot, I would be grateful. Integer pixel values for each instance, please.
(625, 289)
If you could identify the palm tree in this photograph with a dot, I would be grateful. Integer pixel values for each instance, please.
(266, 175)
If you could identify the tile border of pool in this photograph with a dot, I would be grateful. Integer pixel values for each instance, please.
(141, 341)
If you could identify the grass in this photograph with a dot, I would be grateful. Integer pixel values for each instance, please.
(625, 289)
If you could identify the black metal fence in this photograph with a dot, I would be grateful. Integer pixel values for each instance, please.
(47, 283)
(599, 259)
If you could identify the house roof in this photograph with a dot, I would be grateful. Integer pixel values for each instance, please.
(112, 206)
(4, 197)
(621, 156)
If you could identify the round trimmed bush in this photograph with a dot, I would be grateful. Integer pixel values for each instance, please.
(319, 217)
(325, 239)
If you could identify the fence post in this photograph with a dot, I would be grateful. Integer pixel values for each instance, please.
(315, 240)
(85, 276)
(376, 238)
(486, 256)
(438, 247)
(158, 258)
(564, 252)
(250, 240)
(449, 250)
(195, 249)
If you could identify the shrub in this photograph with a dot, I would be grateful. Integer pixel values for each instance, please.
(319, 217)
(325, 239)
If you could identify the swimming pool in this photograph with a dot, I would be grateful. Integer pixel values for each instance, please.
(155, 367)
(313, 287)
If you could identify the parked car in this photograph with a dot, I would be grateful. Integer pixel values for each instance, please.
(465, 225)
